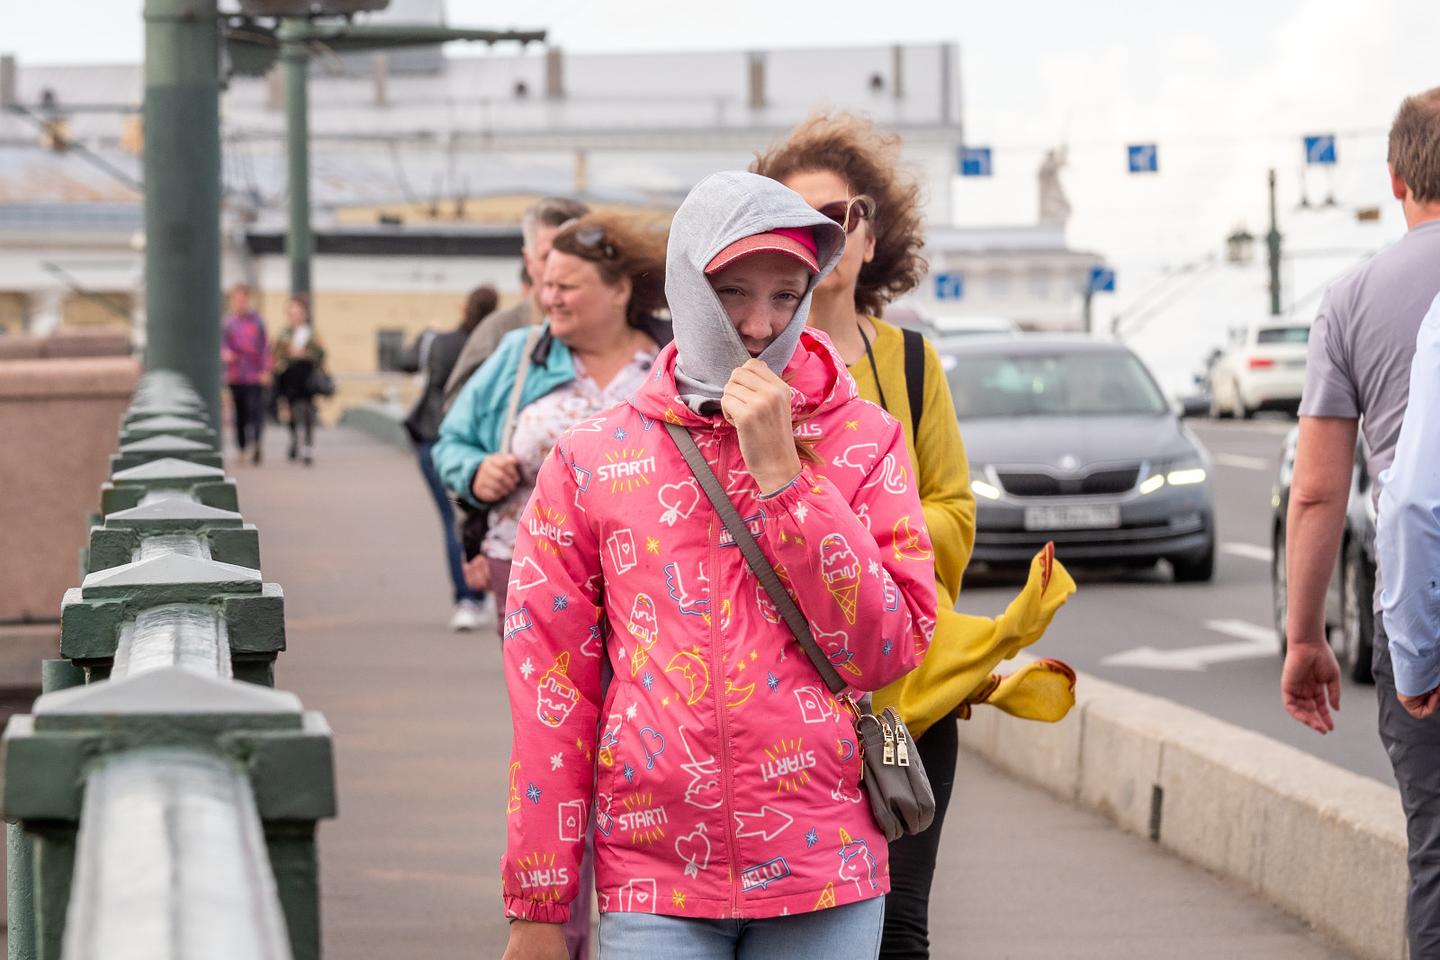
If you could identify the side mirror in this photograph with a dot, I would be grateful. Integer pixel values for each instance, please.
(1194, 406)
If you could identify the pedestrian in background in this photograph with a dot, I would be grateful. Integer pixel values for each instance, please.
(603, 283)
(538, 226)
(433, 355)
(850, 172)
(299, 365)
(1362, 347)
(246, 356)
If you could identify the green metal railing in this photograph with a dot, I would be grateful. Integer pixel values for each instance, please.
(155, 804)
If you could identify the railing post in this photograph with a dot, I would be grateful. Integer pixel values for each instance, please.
(19, 847)
(182, 192)
(225, 535)
(129, 488)
(164, 446)
(284, 753)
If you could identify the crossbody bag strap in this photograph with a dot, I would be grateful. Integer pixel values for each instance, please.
(915, 379)
(759, 564)
(507, 426)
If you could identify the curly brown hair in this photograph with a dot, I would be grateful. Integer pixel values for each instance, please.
(869, 162)
(626, 245)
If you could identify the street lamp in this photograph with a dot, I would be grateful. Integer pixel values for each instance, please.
(254, 48)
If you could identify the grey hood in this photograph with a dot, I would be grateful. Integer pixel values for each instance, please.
(723, 208)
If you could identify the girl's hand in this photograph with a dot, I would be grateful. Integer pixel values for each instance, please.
(536, 941)
(757, 403)
(497, 478)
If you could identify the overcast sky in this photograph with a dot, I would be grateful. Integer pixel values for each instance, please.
(1226, 88)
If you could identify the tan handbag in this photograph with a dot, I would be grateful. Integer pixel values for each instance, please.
(894, 778)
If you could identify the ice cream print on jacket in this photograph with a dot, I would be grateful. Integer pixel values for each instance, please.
(725, 777)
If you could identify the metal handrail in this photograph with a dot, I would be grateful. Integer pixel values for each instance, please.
(190, 636)
(171, 864)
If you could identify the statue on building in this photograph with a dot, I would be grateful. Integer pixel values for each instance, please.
(1054, 207)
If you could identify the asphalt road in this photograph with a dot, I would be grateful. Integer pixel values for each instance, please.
(1116, 612)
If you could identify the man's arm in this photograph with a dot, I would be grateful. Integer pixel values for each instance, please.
(1319, 489)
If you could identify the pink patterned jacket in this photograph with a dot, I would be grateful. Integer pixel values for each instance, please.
(726, 777)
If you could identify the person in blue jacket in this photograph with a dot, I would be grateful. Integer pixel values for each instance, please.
(602, 288)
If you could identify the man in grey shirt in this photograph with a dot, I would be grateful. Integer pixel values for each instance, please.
(1357, 377)
(538, 227)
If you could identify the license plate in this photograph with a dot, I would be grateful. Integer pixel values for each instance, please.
(1073, 517)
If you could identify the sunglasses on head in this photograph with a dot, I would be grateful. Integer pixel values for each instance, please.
(591, 239)
(848, 213)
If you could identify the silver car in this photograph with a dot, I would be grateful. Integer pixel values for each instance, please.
(1071, 440)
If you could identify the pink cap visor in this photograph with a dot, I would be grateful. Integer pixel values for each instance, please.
(798, 243)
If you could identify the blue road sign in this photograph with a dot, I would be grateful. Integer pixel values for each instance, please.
(1144, 157)
(1320, 149)
(975, 161)
(949, 286)
(1102, 280)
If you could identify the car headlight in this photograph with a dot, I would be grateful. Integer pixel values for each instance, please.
(1183, 472)
(984, 483)
(1186, 476)
(987, 490)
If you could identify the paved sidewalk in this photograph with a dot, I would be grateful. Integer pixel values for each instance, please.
(422, 743)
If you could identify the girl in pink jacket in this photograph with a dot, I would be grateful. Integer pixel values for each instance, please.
(722, 778)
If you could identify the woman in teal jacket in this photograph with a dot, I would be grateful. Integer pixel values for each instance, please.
(603, 283)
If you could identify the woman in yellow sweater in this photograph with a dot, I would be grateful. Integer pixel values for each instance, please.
(847, 170)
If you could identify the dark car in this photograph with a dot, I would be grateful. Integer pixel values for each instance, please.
(1349, 600)
(1071, 440)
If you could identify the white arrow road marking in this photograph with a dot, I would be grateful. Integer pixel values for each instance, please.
(1248, 550)
(1242, 461)
(1254, 641)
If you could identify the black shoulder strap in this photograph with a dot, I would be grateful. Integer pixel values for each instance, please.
(915, 378)
(759, 564)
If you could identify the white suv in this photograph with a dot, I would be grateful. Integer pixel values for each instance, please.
(1264, 369)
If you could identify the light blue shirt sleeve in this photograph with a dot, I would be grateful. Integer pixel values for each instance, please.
(1407, 533)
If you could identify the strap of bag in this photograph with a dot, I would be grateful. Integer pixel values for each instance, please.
(761, 566)
(507, 426)
(915, 378)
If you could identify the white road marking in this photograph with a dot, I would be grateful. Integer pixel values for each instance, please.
(1249, 551)
(1253, 641)
(1242, 461)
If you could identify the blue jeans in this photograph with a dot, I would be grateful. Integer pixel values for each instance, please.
(447, 521)
(851, 932)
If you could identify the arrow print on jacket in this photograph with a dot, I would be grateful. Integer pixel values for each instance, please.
(767, 823)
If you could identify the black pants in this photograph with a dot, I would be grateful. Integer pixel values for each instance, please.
(302, 422)
(249, 414)
(912, 858)
(1414, 750)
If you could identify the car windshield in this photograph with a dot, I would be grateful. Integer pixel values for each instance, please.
(1052, 385)
(1282, 335)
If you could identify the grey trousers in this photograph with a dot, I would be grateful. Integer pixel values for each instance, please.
(1414, 750)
